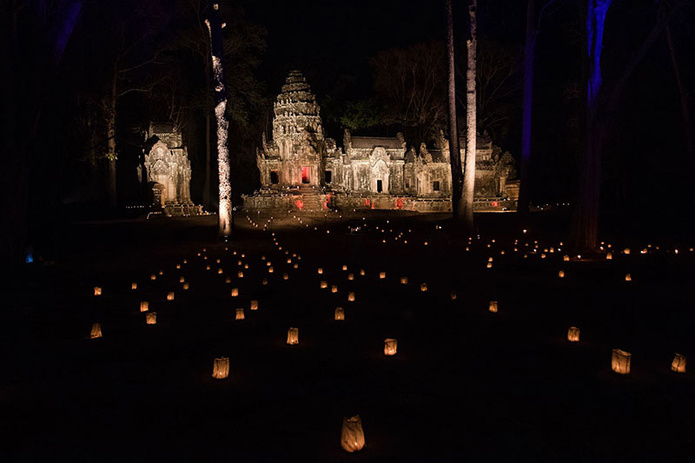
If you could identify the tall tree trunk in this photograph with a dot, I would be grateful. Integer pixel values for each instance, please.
(468, 195)
(96, 187)
(586, 212)
(529, 56)
(208, 145)
(208, 162)
(111, 156)
(683, 93)
(225, 215)
(454, 150)
(584, 236)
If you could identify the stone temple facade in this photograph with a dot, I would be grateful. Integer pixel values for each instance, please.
(169, 171)
(301, 169)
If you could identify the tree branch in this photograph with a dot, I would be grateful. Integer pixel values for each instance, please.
(638, 56)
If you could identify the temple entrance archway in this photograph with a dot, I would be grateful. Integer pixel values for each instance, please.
(379, 171)
(380, 177)
(156, 194)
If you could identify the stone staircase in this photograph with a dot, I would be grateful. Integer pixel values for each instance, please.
(312, 200)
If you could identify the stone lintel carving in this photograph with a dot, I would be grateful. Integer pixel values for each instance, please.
(379, 154)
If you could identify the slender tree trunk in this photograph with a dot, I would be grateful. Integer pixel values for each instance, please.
(96, 188)
(529, 56)
(111, 145)
(208, 146)
(586, 212)
(225, 216)
(454, 150)
(471, 132)
(208, 162)
(683, 93)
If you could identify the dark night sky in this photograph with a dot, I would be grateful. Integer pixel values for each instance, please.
(330, 40)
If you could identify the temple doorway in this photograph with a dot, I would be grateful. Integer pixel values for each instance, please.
(305, 175)
(156, 194)
(379, 182)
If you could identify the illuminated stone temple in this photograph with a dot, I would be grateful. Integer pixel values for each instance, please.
(168, 171)
(301, 169)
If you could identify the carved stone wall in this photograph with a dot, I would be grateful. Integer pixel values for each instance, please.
(169, 170)
(372, 172)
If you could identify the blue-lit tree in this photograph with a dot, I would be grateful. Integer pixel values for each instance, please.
(35, 37)
(585, 225)
(601, 106)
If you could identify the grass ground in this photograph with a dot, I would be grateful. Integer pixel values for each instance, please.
(465, 385)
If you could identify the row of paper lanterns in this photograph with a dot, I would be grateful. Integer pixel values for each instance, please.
(352, 426)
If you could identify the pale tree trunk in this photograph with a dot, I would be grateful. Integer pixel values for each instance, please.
(225, 215)
(111, 144)
(529, 56)
(468, 195)
(454, 150)
(683, 93)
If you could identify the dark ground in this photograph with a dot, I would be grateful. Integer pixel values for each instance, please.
(466, 384)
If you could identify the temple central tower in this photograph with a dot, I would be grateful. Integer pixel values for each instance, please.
(297, 125)
(293, 158)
